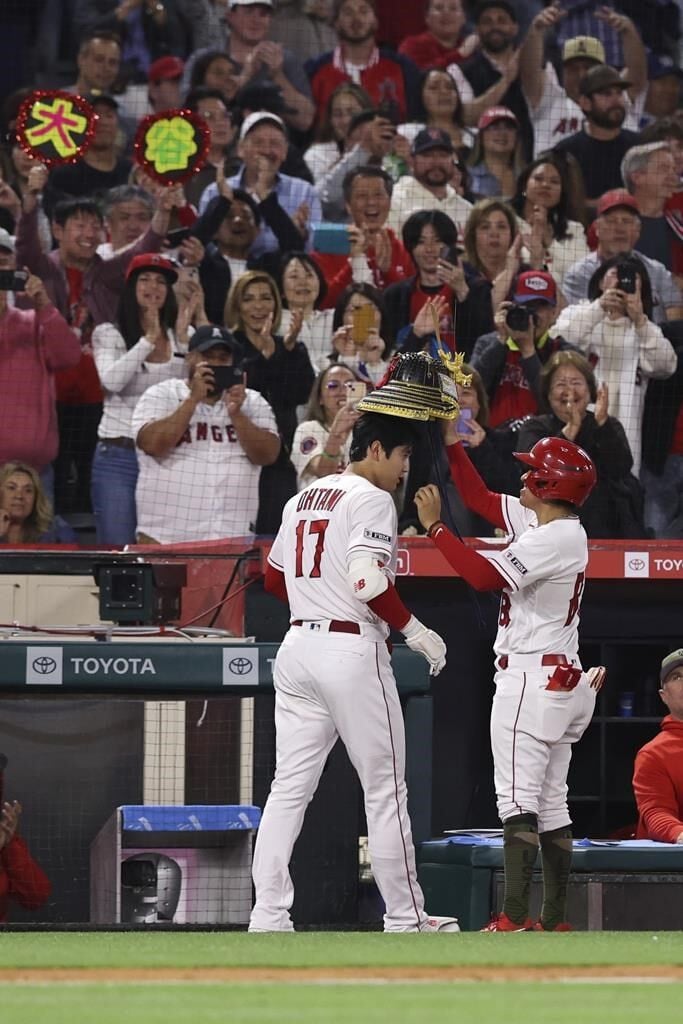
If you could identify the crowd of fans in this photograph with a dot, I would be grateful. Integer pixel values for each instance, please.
(502, 179)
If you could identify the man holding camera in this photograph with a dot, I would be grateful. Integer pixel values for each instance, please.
(34, 344)
(201, 445)
(510, 358)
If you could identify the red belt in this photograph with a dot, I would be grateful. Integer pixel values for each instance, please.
(547, 659)
(335, 626)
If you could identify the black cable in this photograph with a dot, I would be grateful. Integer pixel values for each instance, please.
(226, 591)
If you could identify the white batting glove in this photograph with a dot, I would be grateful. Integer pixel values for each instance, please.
(596, 676)
(427, 643)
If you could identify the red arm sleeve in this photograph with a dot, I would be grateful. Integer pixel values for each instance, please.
(390, 607)
(473, 567)
(274, 583)
(28, 883)
(472, 488)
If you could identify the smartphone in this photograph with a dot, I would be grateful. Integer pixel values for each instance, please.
(364, 321)
(451, 254)
(13, 280)
(462, 424)
(626, 280)
(331, 238)
(225, 377)
(355, 390)
(178, 235)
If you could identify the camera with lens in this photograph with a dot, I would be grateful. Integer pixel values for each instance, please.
(519, 317)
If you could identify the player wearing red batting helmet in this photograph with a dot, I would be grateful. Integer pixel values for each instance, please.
(544, 700)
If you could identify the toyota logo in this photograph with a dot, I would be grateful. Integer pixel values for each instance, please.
(240, 666)
(636, 564)
(44, 666)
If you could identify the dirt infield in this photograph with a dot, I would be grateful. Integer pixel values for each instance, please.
(335, 975)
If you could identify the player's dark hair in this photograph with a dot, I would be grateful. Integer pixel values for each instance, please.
(390, 431)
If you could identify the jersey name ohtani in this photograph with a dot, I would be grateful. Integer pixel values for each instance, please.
(320, 499)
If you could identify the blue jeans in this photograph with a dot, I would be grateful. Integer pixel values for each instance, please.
(114, 476)
(664, 499)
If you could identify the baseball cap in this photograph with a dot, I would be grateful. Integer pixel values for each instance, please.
(660, 65)
(256, 118)
(210, 335)
(165, 68)
(583, 48)
(671, 662)
(250, 3)
(432, 138)
(602, 76)
(614, 198)
(6, 241)
(487, 5)
(153, 261)
(496, 114)
(97, 96)
(536, 286)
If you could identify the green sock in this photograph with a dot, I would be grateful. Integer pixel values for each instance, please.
(556, 857)
(520, 849)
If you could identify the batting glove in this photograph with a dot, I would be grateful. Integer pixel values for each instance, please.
(596, 676)
(427, 643)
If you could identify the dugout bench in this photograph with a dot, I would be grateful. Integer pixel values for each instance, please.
(634, 885)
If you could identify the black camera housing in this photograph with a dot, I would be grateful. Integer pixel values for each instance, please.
(225, 377)
(519, 317)
(13, 280)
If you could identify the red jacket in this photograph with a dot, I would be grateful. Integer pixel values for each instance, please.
(389, 79)
(21, 879)
(34, 346)
(426, 51)
(337, 269)
(658, 784)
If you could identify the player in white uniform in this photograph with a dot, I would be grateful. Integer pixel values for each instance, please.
(543, 700)
(334, 560)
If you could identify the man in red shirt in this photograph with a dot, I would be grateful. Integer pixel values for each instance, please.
(376, 256)
(658, 775)
(22, 880)
(390, 79)
(445, 41)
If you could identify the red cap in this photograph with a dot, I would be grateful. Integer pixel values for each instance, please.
(496, 114)
(153, 261)
(536, 286)
(614, 198)
(165, 68)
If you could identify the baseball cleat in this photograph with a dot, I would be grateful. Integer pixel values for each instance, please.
(502, 923)
(561, 927)
(440, 924)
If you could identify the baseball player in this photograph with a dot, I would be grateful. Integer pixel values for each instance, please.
(543, 700)
(334, 560)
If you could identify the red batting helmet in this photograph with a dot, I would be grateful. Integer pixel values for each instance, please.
(560, 471)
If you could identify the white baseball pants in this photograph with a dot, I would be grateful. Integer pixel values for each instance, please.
(331, 685)
(532, 732)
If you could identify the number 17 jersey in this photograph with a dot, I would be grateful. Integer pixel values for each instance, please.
(324, 528)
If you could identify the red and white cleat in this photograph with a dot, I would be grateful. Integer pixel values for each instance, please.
(502, 923)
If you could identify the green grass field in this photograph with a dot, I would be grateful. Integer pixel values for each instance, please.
(324, 998)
